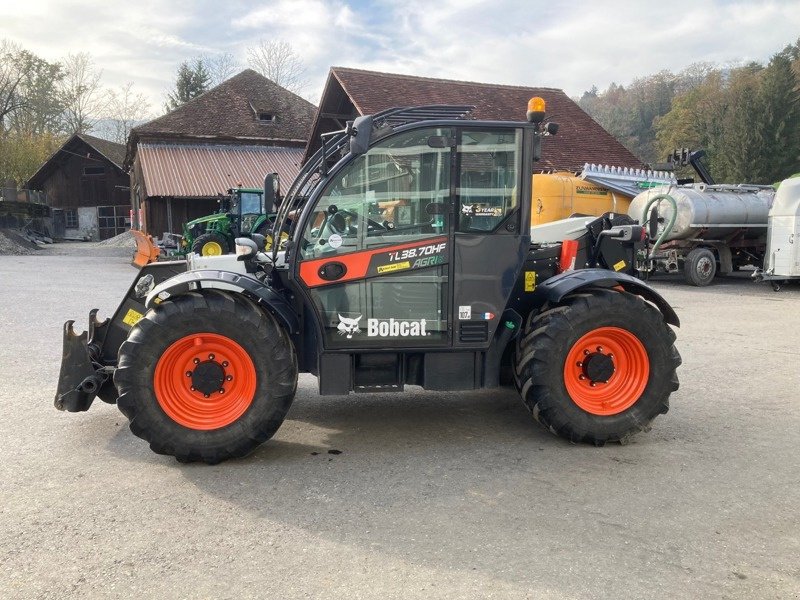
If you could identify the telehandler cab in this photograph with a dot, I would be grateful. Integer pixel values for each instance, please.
(407, 259)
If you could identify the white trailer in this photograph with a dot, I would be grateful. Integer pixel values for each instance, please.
(782, 258)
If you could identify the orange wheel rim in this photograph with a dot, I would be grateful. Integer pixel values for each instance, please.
(606, 371)
(205, 381)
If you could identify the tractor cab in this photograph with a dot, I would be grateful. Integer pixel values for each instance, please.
(246, 206)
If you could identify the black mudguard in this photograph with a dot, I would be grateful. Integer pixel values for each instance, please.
(226, 280)
(555, 288)
(88, 359)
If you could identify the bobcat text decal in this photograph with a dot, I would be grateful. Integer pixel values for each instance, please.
(348, 326)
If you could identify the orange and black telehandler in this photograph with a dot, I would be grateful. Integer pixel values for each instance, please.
(405, 258)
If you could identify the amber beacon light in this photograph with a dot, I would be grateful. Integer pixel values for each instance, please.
(536, 107)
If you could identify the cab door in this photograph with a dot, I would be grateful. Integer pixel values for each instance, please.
(490, 240)
(374, 251)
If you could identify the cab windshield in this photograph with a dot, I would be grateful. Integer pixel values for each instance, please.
(251, 203)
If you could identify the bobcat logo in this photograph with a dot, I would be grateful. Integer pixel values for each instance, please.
(348, 326)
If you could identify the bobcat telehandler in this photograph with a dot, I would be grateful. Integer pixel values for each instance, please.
(408, 260)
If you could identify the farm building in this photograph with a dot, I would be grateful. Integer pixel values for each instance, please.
(231, 135)
(349, 93)
(86, 188)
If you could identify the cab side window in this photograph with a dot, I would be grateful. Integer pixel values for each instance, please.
(489, 167)
(398, 191)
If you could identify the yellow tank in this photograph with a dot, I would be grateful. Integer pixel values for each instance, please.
(560, 195)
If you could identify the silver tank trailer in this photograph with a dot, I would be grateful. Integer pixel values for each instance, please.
(721, 210)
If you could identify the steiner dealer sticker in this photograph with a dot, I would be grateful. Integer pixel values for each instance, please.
(391, 267)
(464, 313)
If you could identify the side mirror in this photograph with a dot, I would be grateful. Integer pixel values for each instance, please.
(260, 240)
(652, 224)
(270, 192)
(245, 248)
(360, 133)
(551, 128)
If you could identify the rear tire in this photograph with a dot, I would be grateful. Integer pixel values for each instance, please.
(211, 244)
(700, 267)
(614, 338)
(206, 377)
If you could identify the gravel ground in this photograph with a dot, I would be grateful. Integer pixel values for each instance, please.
(13, 244)
(431, 496)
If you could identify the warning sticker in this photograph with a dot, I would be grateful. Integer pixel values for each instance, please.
(620, 265)
(398, 266)
(530, 281)
(132, 317)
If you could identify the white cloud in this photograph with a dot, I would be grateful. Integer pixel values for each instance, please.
(569, 45)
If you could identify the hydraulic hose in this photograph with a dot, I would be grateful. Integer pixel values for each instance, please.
(670, 225)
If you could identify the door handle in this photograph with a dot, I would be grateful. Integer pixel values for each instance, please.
(332, 271)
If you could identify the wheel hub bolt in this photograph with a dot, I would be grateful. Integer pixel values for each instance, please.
(221, 390)
(210, 357)
(188, 373)
(229, 378)
(206, 396)
(224, 363)
(196, 361)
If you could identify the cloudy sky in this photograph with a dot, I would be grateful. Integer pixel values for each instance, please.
(568, 45)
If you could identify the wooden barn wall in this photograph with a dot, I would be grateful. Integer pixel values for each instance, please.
(183, 210)
(68, 187)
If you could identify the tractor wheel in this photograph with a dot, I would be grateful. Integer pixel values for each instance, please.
(597, 368)
(699, 267)
(206, 377)
(211, 244)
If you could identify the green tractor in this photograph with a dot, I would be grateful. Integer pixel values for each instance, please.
(242, 212)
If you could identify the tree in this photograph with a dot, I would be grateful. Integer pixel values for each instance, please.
(81, 93)
(277, 61)
(220, 67)
(125, 109)
(694, 121)
(741, 142)
(779, 121)
(11, 75)
(31, 101)
(192, 80)
(21, 154)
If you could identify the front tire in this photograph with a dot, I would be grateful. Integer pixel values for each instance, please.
(597, 368)
(206, 377)
(211, 244)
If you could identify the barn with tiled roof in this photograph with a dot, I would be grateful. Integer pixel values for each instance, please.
(352, 92)
(234, 134)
